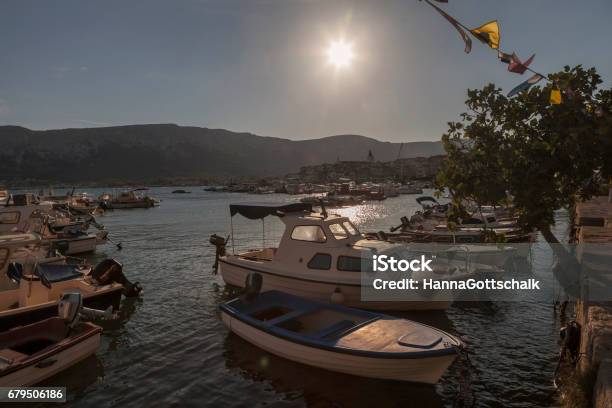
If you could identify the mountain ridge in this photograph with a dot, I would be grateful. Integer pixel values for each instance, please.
(154, 151)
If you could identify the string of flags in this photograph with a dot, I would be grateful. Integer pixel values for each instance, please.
(489, 34)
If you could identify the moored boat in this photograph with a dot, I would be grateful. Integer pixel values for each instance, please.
(341, 339)
(321, 256)
(30, 354)
(36, 293)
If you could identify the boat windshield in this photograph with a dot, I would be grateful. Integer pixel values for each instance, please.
(311, 233)
(338, 231)
(350, 228)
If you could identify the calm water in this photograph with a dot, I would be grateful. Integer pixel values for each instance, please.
(170, 348)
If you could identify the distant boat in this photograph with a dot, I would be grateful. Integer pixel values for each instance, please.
(181, 192)
(127, 199)
(342, 339)
(215, 189)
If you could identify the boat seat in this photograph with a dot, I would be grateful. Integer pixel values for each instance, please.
(8, 357)
(291, 315)
(50, 273)
(335, 329)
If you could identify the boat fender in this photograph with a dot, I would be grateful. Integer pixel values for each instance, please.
(252, 287)
(337, 297)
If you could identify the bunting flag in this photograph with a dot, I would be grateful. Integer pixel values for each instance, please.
(488, 33)
(503, 57)
(555, 95)
(517, 66)
(466, 39)
(525, 85)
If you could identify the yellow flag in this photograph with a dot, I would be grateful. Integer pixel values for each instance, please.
(555, 96)
(488, 33)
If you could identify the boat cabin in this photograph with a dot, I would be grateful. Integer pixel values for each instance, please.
(311, 241)
(19, 218)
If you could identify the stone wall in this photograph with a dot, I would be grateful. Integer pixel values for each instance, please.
(594, 225)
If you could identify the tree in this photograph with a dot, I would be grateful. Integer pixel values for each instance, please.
(542, 157)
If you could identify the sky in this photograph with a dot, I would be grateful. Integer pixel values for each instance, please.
(260, 66)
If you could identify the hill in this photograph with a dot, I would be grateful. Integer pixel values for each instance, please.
(165, 151)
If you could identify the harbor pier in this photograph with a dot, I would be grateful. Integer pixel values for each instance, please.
(594, 226)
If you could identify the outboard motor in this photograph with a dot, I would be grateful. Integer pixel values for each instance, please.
(109, 271)
(220, 243)
(252, 287)
(70, 308)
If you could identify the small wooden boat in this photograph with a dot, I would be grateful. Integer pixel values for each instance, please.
(341, 339)
(30, 354)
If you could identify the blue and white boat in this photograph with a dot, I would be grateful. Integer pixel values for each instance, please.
(342, 339)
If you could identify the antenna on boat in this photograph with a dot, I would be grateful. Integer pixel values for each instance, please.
(323, 210)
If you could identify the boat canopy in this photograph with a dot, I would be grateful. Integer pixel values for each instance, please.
(255, 211)
(424, 199)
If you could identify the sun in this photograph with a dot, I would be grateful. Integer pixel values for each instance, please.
(340, 54)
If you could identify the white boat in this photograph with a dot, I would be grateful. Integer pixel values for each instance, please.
(341, 339)
(30, 354)
(320, 257)
(54, 227)
(4, 196)
(36, 289)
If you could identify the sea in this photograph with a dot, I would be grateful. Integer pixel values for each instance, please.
(169, 348)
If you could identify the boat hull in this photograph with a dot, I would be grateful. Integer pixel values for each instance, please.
(236, 275)
(426, 370)
(127, 205)
(34, 374)
(32, 314)
(78, 245)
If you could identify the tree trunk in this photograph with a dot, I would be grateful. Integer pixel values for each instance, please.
(567, 269)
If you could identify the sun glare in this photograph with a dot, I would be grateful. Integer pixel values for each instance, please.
(340, 54)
